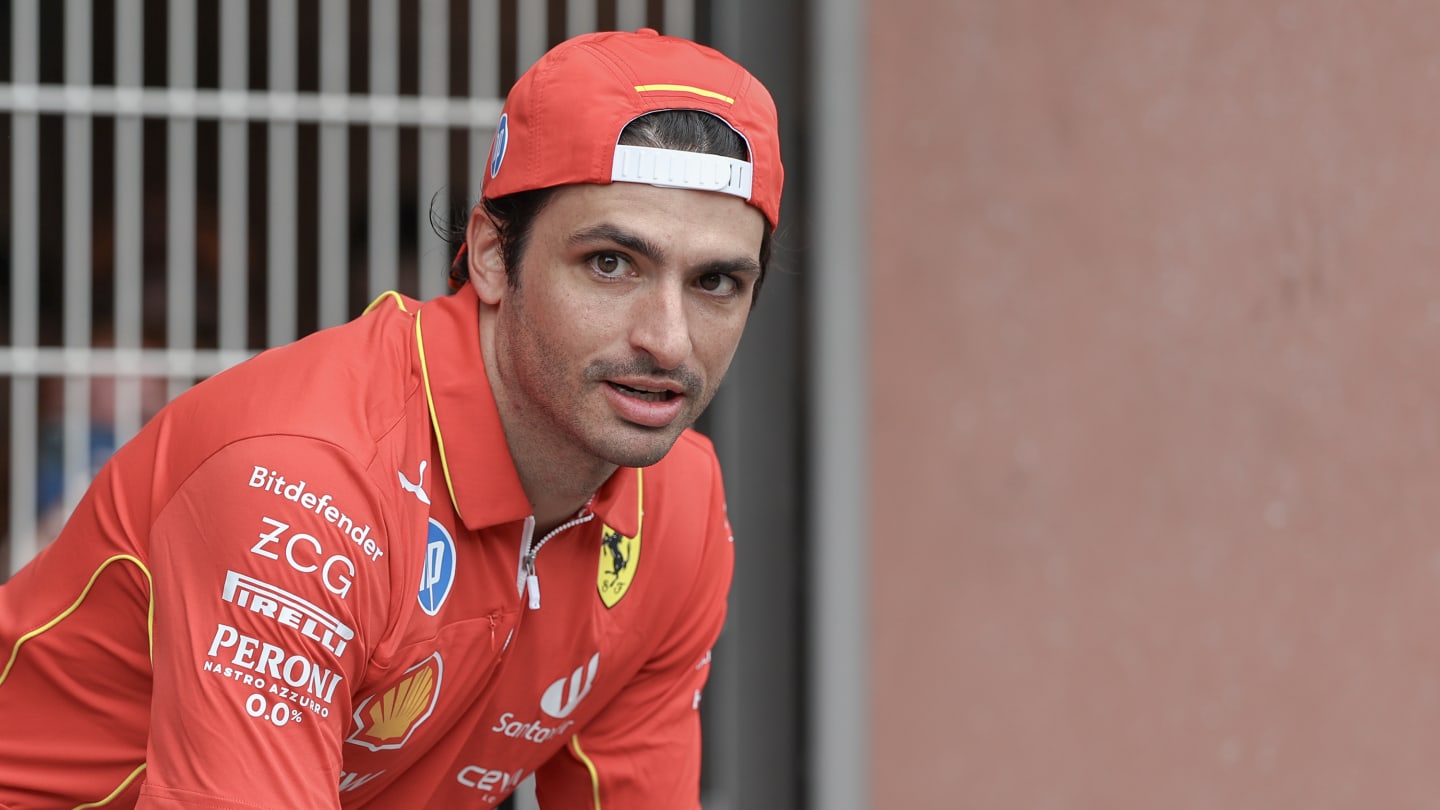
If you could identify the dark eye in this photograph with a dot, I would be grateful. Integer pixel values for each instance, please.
(718, 283)
(608, 264)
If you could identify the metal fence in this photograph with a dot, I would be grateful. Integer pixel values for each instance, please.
(231, 176)
(190, 182)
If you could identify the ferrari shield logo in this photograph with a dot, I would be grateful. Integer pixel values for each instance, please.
(619, 556)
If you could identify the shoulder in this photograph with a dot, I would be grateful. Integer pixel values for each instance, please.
(346, 398)
(347, 385)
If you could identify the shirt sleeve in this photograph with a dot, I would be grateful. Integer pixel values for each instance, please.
(270, 568)
(642, 752)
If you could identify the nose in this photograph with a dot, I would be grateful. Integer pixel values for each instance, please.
(659, 326)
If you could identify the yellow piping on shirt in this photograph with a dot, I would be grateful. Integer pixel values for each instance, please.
(399, 301)
(594, 774)
(575, 740)
(116, 792)
(425, 374)
(149, 619)
(149, 632)
(434, 420)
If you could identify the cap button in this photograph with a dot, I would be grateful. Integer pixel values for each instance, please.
(649, 32)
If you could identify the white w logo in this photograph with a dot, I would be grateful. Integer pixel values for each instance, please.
(565, 694)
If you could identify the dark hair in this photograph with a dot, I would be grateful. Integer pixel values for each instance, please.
(686, 130)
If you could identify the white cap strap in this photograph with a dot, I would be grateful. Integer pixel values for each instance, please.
(672, 168)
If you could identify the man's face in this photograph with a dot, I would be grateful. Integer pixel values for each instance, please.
(629, 306)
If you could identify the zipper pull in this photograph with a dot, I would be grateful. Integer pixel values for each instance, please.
(527, 555)
(532, 582)
(494, 622)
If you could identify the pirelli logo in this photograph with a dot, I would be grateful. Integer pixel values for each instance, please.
(288, 609)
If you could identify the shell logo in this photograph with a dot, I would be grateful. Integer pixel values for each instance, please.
(385, 719)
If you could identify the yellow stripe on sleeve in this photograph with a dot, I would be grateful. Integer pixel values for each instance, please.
(79, 600)
(594, 774)
(116, 792)
(64, 614)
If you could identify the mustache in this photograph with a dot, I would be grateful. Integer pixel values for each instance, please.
(686, 377)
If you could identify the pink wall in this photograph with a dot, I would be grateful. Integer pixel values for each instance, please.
(1156, 407)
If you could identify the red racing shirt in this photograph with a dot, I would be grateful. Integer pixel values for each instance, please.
(312, 581)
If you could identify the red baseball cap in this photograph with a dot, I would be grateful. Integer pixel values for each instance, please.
(563, 117)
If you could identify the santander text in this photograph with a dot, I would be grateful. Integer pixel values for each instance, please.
(534, 731)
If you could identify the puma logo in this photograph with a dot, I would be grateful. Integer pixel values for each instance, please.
(415, 487)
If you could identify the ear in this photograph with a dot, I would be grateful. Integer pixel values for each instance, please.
(486, 263)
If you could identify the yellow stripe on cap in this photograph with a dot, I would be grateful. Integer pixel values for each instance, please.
(683, 88)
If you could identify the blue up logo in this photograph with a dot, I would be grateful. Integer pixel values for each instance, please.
(439, 572)
(499, 144)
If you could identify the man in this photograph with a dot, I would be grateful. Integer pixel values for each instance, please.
(316, 580)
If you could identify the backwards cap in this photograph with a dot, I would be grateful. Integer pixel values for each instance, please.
(563, 117)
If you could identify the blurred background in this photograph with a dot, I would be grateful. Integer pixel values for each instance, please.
(1080, 451)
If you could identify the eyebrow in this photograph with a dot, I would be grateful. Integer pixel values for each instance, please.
(607, 232)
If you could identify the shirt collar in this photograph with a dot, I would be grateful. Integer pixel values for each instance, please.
(474, 456)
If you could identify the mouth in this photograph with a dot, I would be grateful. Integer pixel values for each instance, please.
(645, 394)
(647, 403)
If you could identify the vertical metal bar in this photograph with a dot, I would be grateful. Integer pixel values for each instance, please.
(77, 230)
(384, 197)
(680, 18)
(25, 282)
(839, 514)
(757, 752)
(581, 17)
(281, 161)
(129, 215)
(180, 194)
(234, 192)
(629, 14)
(334, 304)
(484, 81)
(724, 745)
(530, 33)
(431, 261)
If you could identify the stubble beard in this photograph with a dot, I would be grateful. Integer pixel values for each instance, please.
(579, 431)
(626, 444)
